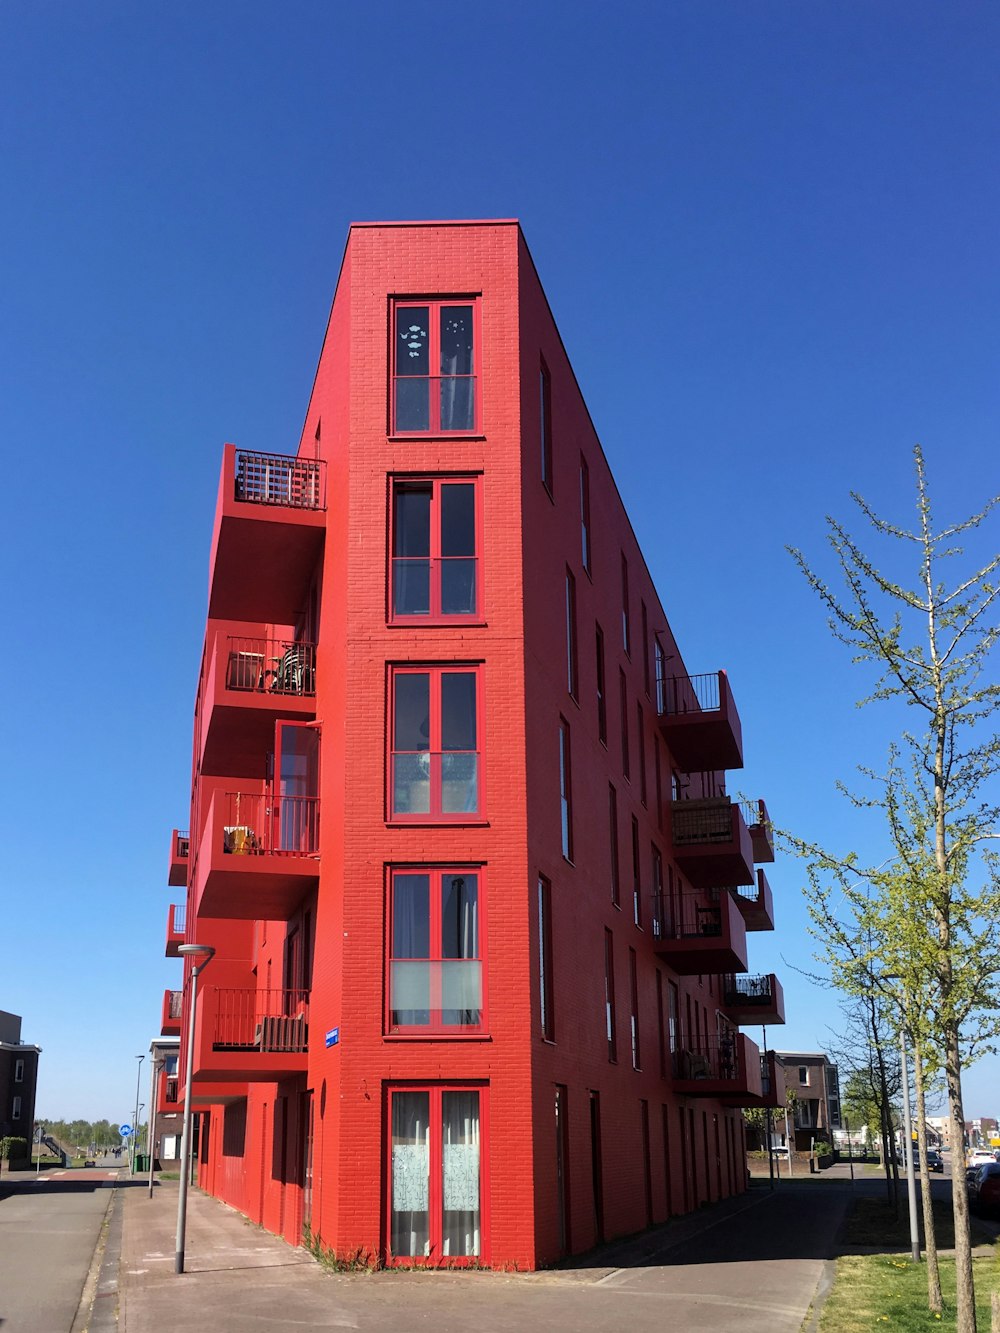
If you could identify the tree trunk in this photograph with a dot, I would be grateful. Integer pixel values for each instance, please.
(965, 1294)
(930, 1240)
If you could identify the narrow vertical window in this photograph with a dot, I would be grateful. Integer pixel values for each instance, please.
(641, 753)
(562, 1166)
(15, 1108)
(623, 701)
(18, 1071)
(645, 647)
(647, 1168)
(572, 683)
(658, 779)
(609, 995)
(602, 694)
(636, 874)
(613, 821)
(546, 1011)
(660, 659)
(545, 424)
(585, 551)
(660, 1026)
(565, 790)
(657, 893)
(626, 624)
(633, 991)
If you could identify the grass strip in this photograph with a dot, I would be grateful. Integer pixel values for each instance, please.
(884, 1291)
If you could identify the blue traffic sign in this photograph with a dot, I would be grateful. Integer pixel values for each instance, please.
(124, 1130)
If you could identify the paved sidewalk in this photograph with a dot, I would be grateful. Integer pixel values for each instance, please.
(761, 1255)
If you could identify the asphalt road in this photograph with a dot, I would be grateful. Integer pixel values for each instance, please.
(49, 1228)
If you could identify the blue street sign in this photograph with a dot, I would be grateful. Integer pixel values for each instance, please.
(124, 1130)
(333, 1037)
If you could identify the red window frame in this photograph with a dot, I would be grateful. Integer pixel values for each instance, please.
(613, 831)
(623, 702)
(435, 814)
(636, 874)
(436, 874)
(586, 533)
(434, 307)
(626, 619)
(435, 616)
(546, 1004)
(572, 665)
(641, 752)
(436, 1257)
(610, 1016)
(633, 989)
(545, 425)
(565, 790)
(602, 688)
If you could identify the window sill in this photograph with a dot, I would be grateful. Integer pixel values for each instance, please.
(437, 1036)
(437, 823)
(425, 622)
(436, 435)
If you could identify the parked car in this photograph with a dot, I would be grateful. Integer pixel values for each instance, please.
(935, 1162)
(984, 1189)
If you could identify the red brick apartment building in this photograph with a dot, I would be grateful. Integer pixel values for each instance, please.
(459, 832)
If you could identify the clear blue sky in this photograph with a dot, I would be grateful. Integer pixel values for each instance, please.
(768, 232)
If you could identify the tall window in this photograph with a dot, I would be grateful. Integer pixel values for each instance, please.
(435, 550)
(658, 780)
(602, 693)
(435, 955)
(636, 874)
(657, 866)
(613, 821)
(572, 683)
(626, 623)
(434, 368)
(660, 1027)
(545, 424)
(18, 1071)
(641, 752)
(585, 550)
(546, 1011)
(660, 658)
(645, 647)
(565, 791)
(15, 1108)
(633, 989)
(609, 995)
(673, 1027)
(623, 710)
(435, 769)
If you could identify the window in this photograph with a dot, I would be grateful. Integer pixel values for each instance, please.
(658, 781)
(623, 701)
(660, 657)
(645, 647)
(571, 666)
(647, 1169)
(546, 1010)
(545, 424)
(626, 625)
(18, 1071)
(673, 1026)
(15, 1109)
(434, 381)
(565, 791)
(803, 1075)
(636, 875)
(641, 753)
(633, 991)
(602, 697)
(660, 1028)
(435, 748)
(585, 551)
(657, 861)
(435, 550)
(435, 956)
(613, 820)
(437, 1160)
(609, 995)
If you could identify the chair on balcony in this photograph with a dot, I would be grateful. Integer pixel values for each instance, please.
(292, 672)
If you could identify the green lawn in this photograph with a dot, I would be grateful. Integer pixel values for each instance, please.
(872, 1223)
(884, 1290)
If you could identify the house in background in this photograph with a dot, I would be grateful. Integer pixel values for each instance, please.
(168, 1108)
(18, 1081)
(460, 829)
(813, 1078)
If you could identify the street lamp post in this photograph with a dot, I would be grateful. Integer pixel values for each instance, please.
(153, 1099)
(135, 1121)
(911, 1184)
(207, 952)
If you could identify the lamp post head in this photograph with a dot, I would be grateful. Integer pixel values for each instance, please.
(191, 949)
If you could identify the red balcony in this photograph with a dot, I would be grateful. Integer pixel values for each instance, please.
(269, 529)
(173, 1001)
(758, 823)
(728, 1071)
(756, 903)
(258, 856)
(700, 933)
(180, 846)
(249, 683)
(249, 1035)
(772, 1087)
(175, 929)
(753, 999)
(711, 842)
(699, 722)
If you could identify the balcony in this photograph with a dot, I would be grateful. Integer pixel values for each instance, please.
(175, 929)
(698, 934)
(753, 999)
(728, 1071)
(772, 1087)
(180, 847)
(249, 1035)
(249, 683)
(269, 529)
(258, 856)
(758, 823)
(711, 843)
(756, 903)
(699, 722)
(173, 1003)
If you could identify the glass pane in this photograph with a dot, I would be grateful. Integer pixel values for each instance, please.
(458, 711)
(412, 340)
(458, 520)
(460, 1168)
(411, 916)
(461, 993)
(410, 994)
(459, 916)
(458, 403)
(298, 772)
(411, 532)
(410, 1230)
(411, 786)
(411, 587)
(459, 784)
(458, 587)
(456, 340)
(413, 404)
(411, 713)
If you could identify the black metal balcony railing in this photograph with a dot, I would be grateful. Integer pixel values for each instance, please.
(697, 822)
(258, 824)
(175, 1004)
(271, 666)
(719, 1060)
(170, 1091)
(280, 479)
(687, 916)
(765, 1074)
(269, 1021)
(431, 403)
(178, 919)
(182, 845)
(745, 991)
(688, 694)
(755, 814)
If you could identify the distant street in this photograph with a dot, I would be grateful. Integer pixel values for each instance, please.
(49, 1228)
